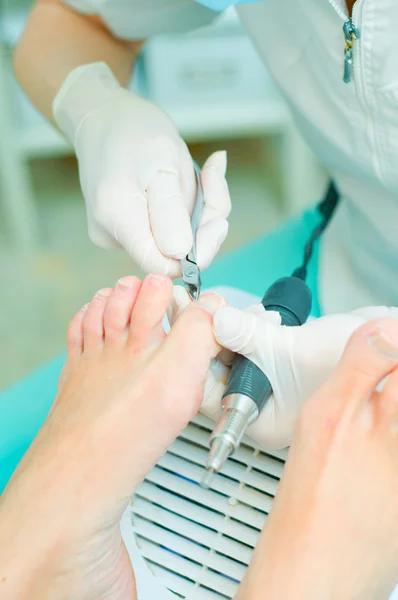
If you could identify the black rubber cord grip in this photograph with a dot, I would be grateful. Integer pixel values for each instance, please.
(291, 297)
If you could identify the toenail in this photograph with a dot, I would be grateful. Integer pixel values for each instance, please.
(211, 302)
(385, 343)
(102, 294)
(125, 282)
(157, 280)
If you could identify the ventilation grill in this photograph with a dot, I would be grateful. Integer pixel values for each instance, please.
(199, 542)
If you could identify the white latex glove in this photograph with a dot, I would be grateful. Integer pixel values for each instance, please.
(297, 360)
(136, 174)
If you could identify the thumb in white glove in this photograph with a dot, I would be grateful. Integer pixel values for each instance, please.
(136, 174)
(297, 360)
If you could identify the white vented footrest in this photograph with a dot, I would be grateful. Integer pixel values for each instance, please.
(197, 543)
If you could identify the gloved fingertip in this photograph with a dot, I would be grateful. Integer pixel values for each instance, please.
(219, 240)
(173, 269)
(210, 238)
(218, 162)
(228, 325)
(271, 316)
(177, 253)
(256, 309)
(223, 227)
(176, 247)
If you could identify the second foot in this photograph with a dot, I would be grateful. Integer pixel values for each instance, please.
(333, 532)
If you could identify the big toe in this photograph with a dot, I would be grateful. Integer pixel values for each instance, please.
(185, 356)
(146, 329)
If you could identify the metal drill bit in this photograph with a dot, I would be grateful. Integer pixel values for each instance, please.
(207, 479)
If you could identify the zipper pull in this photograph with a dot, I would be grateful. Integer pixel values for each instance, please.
(351, 33)
(347, 64)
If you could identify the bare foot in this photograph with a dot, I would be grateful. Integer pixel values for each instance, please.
(333, 532)
(125, 394)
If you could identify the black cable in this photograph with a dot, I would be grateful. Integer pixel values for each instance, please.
(326, 208)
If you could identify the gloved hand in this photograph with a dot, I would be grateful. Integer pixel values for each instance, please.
(136, 174)
(297, 360)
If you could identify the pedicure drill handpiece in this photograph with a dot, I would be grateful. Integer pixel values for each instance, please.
(248, 388)
(189, 265)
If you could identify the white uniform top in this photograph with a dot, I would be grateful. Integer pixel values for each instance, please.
(352, 128)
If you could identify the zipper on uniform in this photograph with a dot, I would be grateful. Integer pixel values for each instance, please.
(351, 33)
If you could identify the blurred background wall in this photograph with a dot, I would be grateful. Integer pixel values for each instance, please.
(220, 96)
